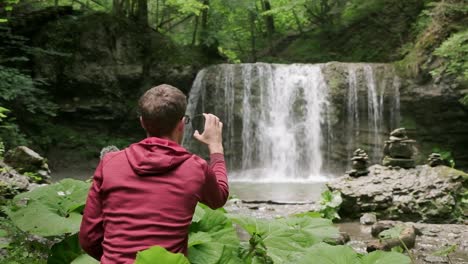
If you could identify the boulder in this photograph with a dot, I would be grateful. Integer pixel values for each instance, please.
(435, 159)
(405, 239)
(368, 219)
(398, 162)
(11, 182)
(28, 162)
(424, 193)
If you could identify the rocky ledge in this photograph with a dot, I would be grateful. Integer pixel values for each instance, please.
(21, 171)
(420, 194)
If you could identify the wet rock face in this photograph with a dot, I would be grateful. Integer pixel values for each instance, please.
(424, 193)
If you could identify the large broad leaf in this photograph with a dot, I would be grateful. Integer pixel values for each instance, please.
(51, 210)
(84, 259)
(381, 257)
(325, 254)
(321, 228)
(212, 237)
(69, 251)
(159, 255)
(65, 251)
(282, 242)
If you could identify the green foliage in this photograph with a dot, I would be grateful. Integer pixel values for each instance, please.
(391, 233)
(66, 251)
(464, 100)
(160, 255)
(20, 88)
(54, 211)
(33, 177)
(330, 204)
(20, 246)
(446, 156)
(455, 51)
(212, 237)
(51, 210)
(84, 259)
(327, 254)
(284, 240)
(381, 257)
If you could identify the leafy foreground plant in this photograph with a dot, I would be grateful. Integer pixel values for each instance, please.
(54, 212)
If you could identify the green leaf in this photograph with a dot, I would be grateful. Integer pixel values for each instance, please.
(381, 257)
(212, 238)
(3, 233)
(65, 251)
(320, 228)
(391, 233)
(84, 259)
(308, 214)
(159, 255)
(46, 212)
(283, 243)
(198, 238)
(198, 215)
(325, 254)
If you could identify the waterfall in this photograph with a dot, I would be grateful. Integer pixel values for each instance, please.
(376, 94)
(283, 122)
(352, 109)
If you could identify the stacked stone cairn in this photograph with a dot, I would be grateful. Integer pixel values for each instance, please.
(398, 150)
(360, 161)
(435, 159)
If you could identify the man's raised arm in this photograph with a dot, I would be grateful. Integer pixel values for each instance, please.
(215, 190)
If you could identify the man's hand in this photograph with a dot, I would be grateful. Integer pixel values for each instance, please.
(212, 135)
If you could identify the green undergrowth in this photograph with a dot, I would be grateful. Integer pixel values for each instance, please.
(43, 226)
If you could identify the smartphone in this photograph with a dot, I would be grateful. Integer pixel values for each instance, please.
(198, 123)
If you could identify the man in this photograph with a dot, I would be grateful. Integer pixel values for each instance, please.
(146, 194)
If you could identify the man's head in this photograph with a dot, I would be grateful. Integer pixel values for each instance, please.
(162, 109)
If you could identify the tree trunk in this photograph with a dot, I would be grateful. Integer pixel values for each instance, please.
(195, 30)
(142, 12)
(204, 22)
(156, 18)
(269, 24)
(269, 20)
(252, 36)
(116, 10)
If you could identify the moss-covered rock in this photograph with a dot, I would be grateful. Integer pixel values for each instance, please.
(428, 194)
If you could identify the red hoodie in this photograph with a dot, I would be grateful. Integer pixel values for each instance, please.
(146, 195)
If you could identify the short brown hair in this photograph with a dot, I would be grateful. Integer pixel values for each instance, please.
(161, 108)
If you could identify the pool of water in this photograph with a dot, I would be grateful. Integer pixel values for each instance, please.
(284, 191)
(278, 192)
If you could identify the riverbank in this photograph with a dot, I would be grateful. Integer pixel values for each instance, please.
(431, 238)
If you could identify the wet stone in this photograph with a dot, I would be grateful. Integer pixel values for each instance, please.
(435, 159)
(368, 219)
(360, 163)
(398, 150)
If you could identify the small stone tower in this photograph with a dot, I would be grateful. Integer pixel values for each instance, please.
(398, 150)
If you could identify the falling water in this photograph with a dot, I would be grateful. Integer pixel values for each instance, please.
(373, 109)
(280, 121)
(352, 128)
(362, 78)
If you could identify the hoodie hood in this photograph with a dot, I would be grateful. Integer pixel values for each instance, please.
(154, 155)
